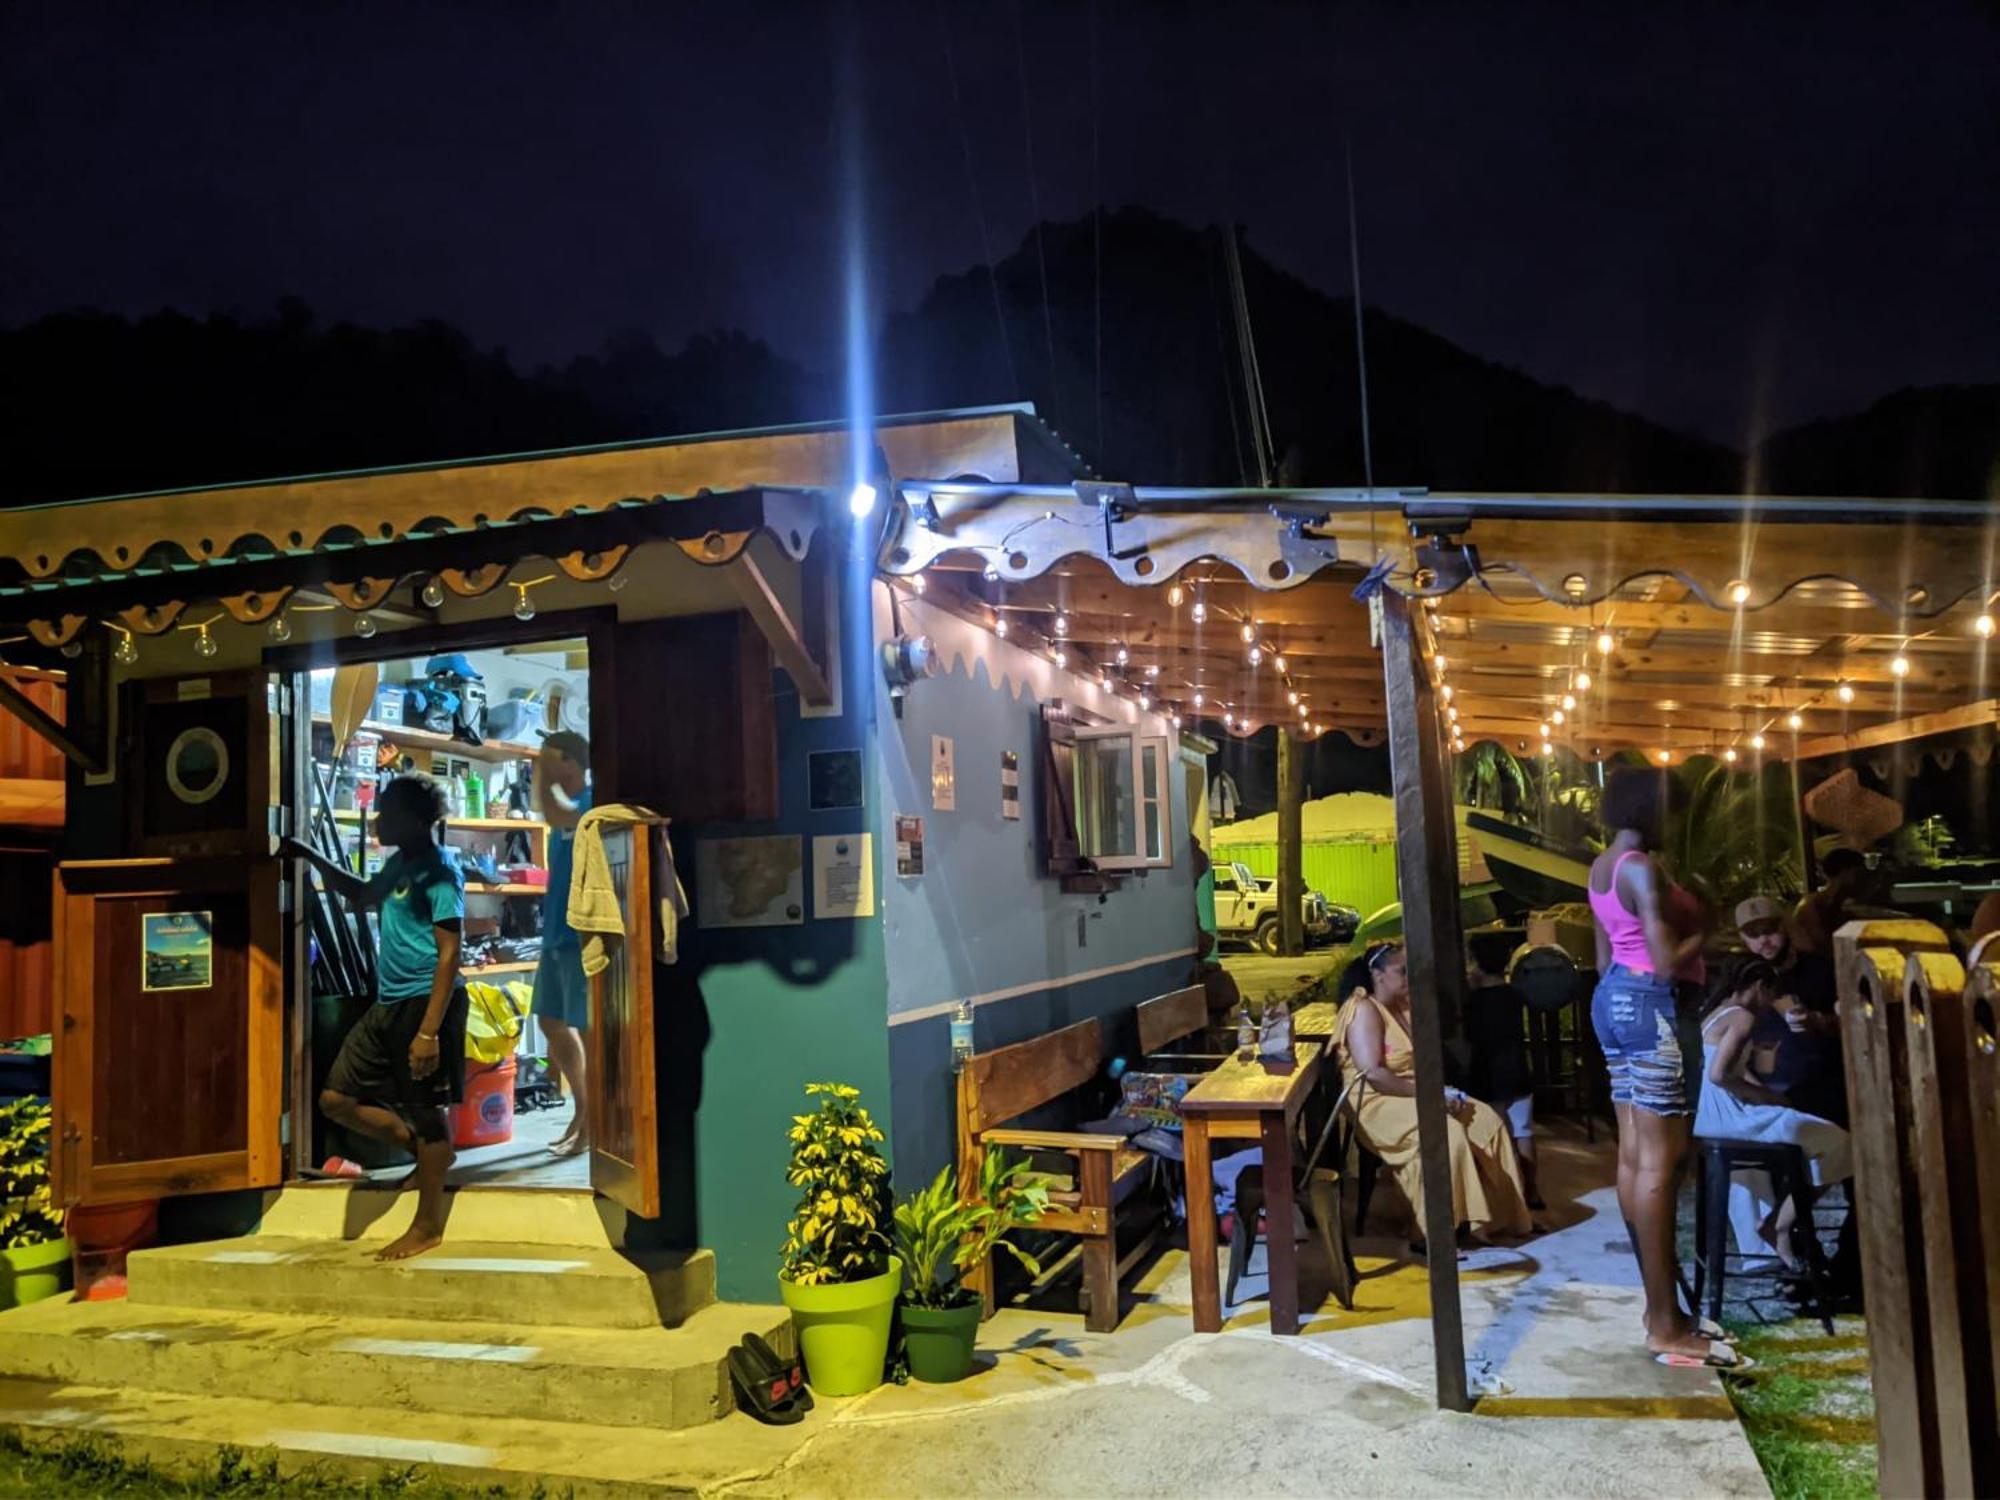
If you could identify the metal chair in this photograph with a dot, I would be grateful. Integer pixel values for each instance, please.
(1551, 981)
(1716, 1161)
(1318, 1191)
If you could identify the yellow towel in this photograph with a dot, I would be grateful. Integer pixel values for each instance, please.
(594, 912)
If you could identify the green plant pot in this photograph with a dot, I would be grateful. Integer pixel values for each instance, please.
(843, 1329)
(938, 1341)
(33, 1272)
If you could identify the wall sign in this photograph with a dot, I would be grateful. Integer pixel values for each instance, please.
(843, 875)
(909, 845)
(179, 950)
(757, 882)
(833, 779)
(1010, 786)
(944, 775)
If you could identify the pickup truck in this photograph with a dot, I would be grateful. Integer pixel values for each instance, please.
(1247, 913)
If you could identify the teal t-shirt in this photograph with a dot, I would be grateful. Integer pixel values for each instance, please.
(556, 931)
(413, 896)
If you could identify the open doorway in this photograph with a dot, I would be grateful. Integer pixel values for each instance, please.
(478, 722)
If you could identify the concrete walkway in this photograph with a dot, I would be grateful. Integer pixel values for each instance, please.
(1575, 1407)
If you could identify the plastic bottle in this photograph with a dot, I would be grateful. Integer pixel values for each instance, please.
(475, 795)
(1246, 1034)
(961, 1035)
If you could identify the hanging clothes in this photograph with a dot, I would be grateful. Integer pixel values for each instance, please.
(594, 910)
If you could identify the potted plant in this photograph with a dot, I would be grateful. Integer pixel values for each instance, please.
(839, 1276)
(940, 1237)
(34, 1256)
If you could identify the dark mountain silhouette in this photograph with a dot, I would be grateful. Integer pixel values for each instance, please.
(1941, 442)
(1172, 404)
(100, 404)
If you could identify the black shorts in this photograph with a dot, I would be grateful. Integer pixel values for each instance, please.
(374, 1061)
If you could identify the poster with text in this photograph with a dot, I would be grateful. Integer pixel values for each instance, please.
(843, 875)
(909, 845)
(944, 775)
(756, 882)
(179, 950)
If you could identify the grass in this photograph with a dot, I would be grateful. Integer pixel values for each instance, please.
(86, 1468)
(1807, 1409)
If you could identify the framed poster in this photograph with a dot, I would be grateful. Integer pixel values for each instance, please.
(833, 779)
(750, 882)
(178, 949)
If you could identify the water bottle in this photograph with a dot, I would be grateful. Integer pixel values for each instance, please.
(1246, 1034)
(961, 1035)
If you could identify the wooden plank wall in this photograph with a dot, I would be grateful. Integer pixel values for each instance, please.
(27, 958)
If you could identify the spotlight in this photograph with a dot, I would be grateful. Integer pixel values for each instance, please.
(861, 500)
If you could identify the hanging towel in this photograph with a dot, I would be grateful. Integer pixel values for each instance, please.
(594, 912)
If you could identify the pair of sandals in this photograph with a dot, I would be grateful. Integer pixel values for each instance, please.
(1720, 1354)
(768, 1386)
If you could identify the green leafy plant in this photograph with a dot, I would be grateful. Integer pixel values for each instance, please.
(28, 1215)
(940, 1237)
(837, 1232)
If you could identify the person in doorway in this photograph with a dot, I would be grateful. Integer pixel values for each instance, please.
(1219, 985)
(1372, 1031)
(1496, 1028)
(1821, 914)
(1737, 1106)
(1639, 951)
(403, 1062)
(562, 994)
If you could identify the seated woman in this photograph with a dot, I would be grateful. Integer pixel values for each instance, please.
(1736, 1106)
(1373, 1034)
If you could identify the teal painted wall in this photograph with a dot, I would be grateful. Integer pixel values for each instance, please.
(983, 921)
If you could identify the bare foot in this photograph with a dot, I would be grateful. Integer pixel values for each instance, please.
(570, 1145)
(412, 1241)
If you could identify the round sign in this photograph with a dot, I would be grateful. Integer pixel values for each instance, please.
(197, 765)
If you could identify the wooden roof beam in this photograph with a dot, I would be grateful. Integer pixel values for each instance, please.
(1981, 715)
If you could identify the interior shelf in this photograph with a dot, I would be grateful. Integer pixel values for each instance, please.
(505, 825)
(474, 888)
(480, 971)
(423, 739)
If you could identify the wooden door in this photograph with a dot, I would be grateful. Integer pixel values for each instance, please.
(624, 1111)
(169, 1045)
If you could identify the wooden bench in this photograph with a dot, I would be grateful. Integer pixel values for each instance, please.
(1002, 1085)
(1167, 1019)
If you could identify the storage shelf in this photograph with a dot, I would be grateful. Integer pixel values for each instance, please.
(479, 825)
(474, 889)
(480, 971)
(423, 739)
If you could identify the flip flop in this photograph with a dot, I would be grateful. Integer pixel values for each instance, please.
(1720, 1356)
(766, 1397)
(332, 1169)
(774, 1364)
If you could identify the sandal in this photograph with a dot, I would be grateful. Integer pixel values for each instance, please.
(767, 1397)
(1718, 1356)
(774, 1365)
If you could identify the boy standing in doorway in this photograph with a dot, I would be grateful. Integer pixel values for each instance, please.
(562, 993)
(404, 1061)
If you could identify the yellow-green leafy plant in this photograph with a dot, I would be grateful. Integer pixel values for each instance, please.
(28, 1215)
(838, 1232)
(940, 1237)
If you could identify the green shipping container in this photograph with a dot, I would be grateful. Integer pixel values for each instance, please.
(1360, 873)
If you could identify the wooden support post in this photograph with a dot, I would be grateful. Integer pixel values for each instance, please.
(1291, 854)
(1427, 869)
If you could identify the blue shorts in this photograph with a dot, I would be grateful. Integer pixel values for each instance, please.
(1634, 1016)
(562, 993)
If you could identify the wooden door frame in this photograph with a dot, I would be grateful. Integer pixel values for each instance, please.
(599, 628)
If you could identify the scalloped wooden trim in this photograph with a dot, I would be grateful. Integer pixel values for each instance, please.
(365, 594)
(254, 609)
(58, 632)
(470, 583)
(153, 619)
(581, 567)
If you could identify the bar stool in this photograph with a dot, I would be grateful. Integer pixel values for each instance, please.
(1791, 1178)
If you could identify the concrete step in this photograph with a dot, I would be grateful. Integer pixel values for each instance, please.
(522, 1216)
(653, 1377)
(185, 1432)
(463, 1281)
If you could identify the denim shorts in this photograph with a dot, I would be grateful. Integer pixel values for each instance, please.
(1634, 1016)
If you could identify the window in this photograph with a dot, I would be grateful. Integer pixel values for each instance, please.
(1124, 817)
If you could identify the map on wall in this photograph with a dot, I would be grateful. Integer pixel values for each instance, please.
(758, 882)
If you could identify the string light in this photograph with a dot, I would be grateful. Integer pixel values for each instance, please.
(1451, 715)
(617, 581)
(1061, 657)
(204, 643)
(1145, 702)
(280, 628)
(1293, 699)
(861, 500)
(1444, 692)
(1153, 671)
(1899, 665)
(524, 607)
(1556, 715)
(1062, 623)
(1844, 691)
(1198, 700)
(1279, 663)
(1255, 656)
(1000, 626)
(1547, 748)
(1249, 631)
(1569, 702)
(1794, 721)
(1606, 645)
(917, 584)
(127, 650)
(1982, 624)
(1123, 656)
(1756, 742)
(1544, 727)
(72, 648)
(364, 625)
(1177, 721)
(1176, 596)
(1583, 682)
(1440, 665)
(1229, 721)
(1739, 592)
(1302, 710)
(1199, 613)
(1730, 754)
(1666, 756)
(433, 592)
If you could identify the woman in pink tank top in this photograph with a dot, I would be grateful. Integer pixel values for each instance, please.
(1642, 947)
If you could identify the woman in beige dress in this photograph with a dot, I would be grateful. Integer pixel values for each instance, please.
(1373, 1034)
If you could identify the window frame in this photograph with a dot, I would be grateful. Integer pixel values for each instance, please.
(1156, 748)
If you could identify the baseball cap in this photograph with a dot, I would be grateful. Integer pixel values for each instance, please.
(574, 745)
(1758, 909)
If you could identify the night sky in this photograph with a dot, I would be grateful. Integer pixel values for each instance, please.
(1728, 217)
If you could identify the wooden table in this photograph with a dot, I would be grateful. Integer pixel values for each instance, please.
(1313, 1022)
(1246, 1101)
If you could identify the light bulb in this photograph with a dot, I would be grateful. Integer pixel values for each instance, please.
(1666, 756)
(364, 626)
(1062, 623)
(1794, 721)
(1176, 596)
(1200, 612)
(1153, 671)
(1739, 592)
(1293, 699)
(1982, 624)
(1844, 691)
(1569, 702)
(1899, 665)
(1177, 721)
(1255, 656)
(524, 607)
(1198, 700)
(1756, 742)
(1123, 656)
(72, 649)
(1317, 727)
(1229, 721)
(861, 500)
(1583, 682)
(1544, 727)
(433, 594)
(1730, 754)
(205, 644)
(1302, 710)
(917, 582)
(1061, 657)
(1555, 716)
(1000, 626)
(1444, 692)
(1440, 665)
(1278, 662)
(280, 628)
(1249, 631)
(991, 575)
(1451, 715)
(126, 651)
(1547, 748)
(1606, 645)
(1145, 701)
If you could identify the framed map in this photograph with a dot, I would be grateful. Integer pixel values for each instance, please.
(755, 882)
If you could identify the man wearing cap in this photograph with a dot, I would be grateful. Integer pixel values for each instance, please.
(1801, 1034)
(562, 994)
